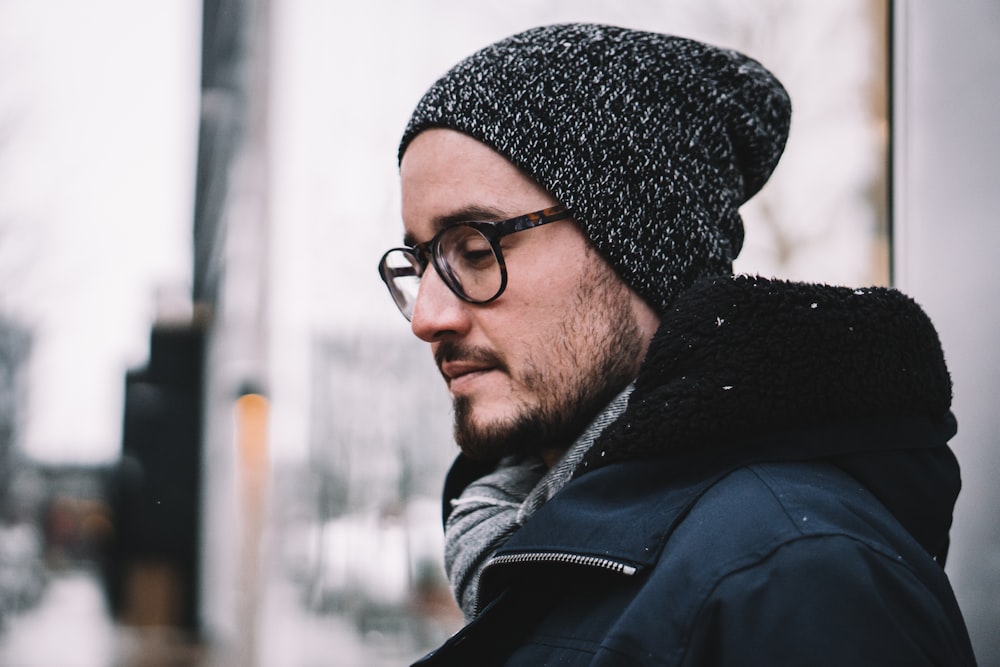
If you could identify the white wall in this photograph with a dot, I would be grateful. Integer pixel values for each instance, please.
(947, 235)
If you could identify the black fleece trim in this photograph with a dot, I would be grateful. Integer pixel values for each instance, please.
(740, 357)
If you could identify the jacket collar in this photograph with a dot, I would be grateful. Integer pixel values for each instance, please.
(623, 514)
(739, 357)
(618, 517)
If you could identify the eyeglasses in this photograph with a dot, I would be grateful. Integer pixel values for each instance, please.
(467, 256)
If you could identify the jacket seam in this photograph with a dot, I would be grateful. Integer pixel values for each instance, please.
(720, 579)
(761, 473)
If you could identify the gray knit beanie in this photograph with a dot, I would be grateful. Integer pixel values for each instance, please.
(652, 141)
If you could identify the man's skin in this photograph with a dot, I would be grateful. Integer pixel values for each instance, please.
(565, 336)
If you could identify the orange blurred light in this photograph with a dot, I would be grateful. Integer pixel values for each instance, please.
(251, 431)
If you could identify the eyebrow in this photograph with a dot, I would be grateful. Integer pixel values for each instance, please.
(465, 214)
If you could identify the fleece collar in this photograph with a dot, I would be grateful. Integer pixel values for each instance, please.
(740, 357)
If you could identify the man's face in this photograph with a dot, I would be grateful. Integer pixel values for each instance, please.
(529, 370)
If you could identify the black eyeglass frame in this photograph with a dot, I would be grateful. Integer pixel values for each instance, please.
(491, 231)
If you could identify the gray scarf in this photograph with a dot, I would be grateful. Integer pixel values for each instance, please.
(494, 506)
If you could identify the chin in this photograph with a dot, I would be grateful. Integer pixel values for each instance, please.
(493, 434)
(484, 431)
(489, 412)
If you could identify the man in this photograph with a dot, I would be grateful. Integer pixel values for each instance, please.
(661, 464)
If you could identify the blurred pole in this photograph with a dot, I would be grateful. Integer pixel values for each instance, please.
(945, 239)
(232, 287)
(251, 420)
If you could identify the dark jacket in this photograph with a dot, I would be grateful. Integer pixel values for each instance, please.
(779, 491)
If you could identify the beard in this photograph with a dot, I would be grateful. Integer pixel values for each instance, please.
(592, 356)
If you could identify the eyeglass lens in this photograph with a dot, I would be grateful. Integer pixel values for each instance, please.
(464, 258)
(472, 268)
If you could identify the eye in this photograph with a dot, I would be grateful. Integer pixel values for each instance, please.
(466, 248)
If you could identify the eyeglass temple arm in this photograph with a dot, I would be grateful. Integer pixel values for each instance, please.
(530, 220)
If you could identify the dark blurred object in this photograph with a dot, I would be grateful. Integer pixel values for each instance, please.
(152, 563)
(22, 572)
(15, 345)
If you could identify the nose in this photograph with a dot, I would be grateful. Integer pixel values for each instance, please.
(437, 312)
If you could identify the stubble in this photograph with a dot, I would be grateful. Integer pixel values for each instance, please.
(595, 353)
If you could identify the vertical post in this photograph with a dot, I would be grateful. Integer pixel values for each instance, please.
(945, 243)
(231, 286)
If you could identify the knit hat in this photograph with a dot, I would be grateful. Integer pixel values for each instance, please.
(652, 141)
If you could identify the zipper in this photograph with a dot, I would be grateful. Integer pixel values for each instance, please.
(556, 557)
(570, 559)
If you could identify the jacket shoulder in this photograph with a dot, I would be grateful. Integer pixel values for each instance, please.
(791, 562)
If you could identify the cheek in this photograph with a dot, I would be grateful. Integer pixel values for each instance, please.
(548, 352)
(539, 297)
(542, 322)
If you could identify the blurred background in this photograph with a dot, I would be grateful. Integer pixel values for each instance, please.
(219, 442)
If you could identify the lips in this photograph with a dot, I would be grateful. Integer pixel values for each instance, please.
(460, 365)
(456, 370)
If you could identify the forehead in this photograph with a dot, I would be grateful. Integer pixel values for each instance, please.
(444, 174)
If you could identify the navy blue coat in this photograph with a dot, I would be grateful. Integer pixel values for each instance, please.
(767, 564)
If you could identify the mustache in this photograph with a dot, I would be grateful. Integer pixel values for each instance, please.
(452, 351)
